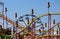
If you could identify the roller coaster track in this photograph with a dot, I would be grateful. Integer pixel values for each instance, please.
(23, 28)
(56, 13)
(10, 21)
(48, 30)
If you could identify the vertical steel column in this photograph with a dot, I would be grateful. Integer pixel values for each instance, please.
(58, 31)
(53, 24)
(3, 14)
(16, 19)
(45, 29)
(53, 29)
(49, 25)
(28, 27)
(2, 4)
(33, 25)
(49, 22)
(16, 24)
(6, 17)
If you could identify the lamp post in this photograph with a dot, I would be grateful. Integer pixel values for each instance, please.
(49, 21)
(6, 17)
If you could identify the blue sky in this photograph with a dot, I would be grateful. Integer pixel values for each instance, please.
(23, 7)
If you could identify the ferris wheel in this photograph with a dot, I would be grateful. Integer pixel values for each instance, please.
(35, 26)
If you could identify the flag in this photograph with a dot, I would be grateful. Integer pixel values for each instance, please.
(45, 24)
(32, 11)
(54, 21)
(5, 9)
(15, 15)
(48, 4)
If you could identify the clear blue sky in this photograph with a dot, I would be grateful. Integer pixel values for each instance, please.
(24, 6)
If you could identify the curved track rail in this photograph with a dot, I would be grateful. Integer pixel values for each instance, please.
(10, 21)
(58, 13)
(22, 28)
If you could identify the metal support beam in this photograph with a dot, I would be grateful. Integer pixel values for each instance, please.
(2, 4)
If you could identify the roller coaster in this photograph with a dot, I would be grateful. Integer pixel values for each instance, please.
(30, 26)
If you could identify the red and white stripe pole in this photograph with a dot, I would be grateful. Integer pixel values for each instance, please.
(49, 22)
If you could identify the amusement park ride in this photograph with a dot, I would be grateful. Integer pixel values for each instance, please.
(30, 26)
